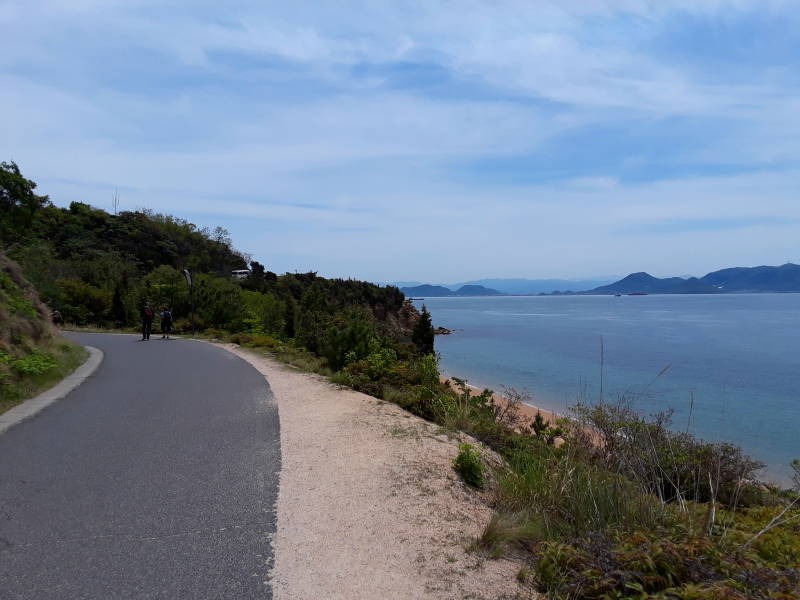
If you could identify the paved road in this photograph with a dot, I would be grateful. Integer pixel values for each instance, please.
(156, 478)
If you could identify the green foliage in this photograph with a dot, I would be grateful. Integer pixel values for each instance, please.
(27, 375)
(35, 363)
(469, 465)
(14, 299)
(18, 204)
(98, 269)
(673, 466)
(82, 303)
(164, 287)
(349, 338)
(475, 414)
(659, 566)
(423, 335)
(219, 302)
(265, 310)
(539, 425)
(570, 497)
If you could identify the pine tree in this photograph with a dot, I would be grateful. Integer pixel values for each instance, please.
(539, 425)
(423, 333)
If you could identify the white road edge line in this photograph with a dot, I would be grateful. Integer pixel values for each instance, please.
(34, 405)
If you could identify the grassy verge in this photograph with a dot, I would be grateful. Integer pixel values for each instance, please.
(24, 377)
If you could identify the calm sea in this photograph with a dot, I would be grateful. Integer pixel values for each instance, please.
(734, 359)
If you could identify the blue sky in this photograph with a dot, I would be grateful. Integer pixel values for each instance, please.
(437, 141)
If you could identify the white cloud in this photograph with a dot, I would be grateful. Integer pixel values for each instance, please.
(355, 175)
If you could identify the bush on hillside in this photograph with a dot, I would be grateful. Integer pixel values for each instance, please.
(673, 466)
(23, 318)
(469, 465)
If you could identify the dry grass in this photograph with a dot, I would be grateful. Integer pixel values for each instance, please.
(23, 317)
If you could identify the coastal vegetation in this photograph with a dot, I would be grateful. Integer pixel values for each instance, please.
(605, 504)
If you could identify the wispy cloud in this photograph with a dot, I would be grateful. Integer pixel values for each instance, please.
(423, 139)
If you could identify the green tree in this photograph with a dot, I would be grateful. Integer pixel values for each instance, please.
(265, 312)
(539, 425)
(166, 287)
(289, 316)
(313, 316)
(83, 303)
(423, 334)
(350, 337)
(18, 203)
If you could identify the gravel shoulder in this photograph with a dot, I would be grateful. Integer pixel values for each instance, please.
(369, 505)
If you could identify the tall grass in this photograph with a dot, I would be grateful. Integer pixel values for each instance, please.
(569, 497)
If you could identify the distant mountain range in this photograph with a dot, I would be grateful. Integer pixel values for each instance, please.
(785, 278)
(519, 287)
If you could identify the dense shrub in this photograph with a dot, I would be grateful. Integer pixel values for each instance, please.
(350, 337)
(469, 465)
(674, 466)
(80, 302)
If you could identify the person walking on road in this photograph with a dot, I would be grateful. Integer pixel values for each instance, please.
(166, 323)
(147, 321)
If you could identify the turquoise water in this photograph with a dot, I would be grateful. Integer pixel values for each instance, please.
(737, 356)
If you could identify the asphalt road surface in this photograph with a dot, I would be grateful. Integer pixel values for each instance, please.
(155, 478)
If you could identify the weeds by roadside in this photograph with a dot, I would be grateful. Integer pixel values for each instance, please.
(23, 378)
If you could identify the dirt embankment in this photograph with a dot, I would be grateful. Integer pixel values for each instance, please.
(369, 505)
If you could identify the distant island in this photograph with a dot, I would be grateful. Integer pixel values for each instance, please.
(439, 291)
(514, 286)
(784, 278)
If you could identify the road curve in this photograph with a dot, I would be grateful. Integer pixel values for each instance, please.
(156, 478)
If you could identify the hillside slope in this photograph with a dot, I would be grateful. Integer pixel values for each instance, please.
(33, 356)
(646, 283)
(784, 278)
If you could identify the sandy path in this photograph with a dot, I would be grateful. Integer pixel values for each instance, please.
(369, 505)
